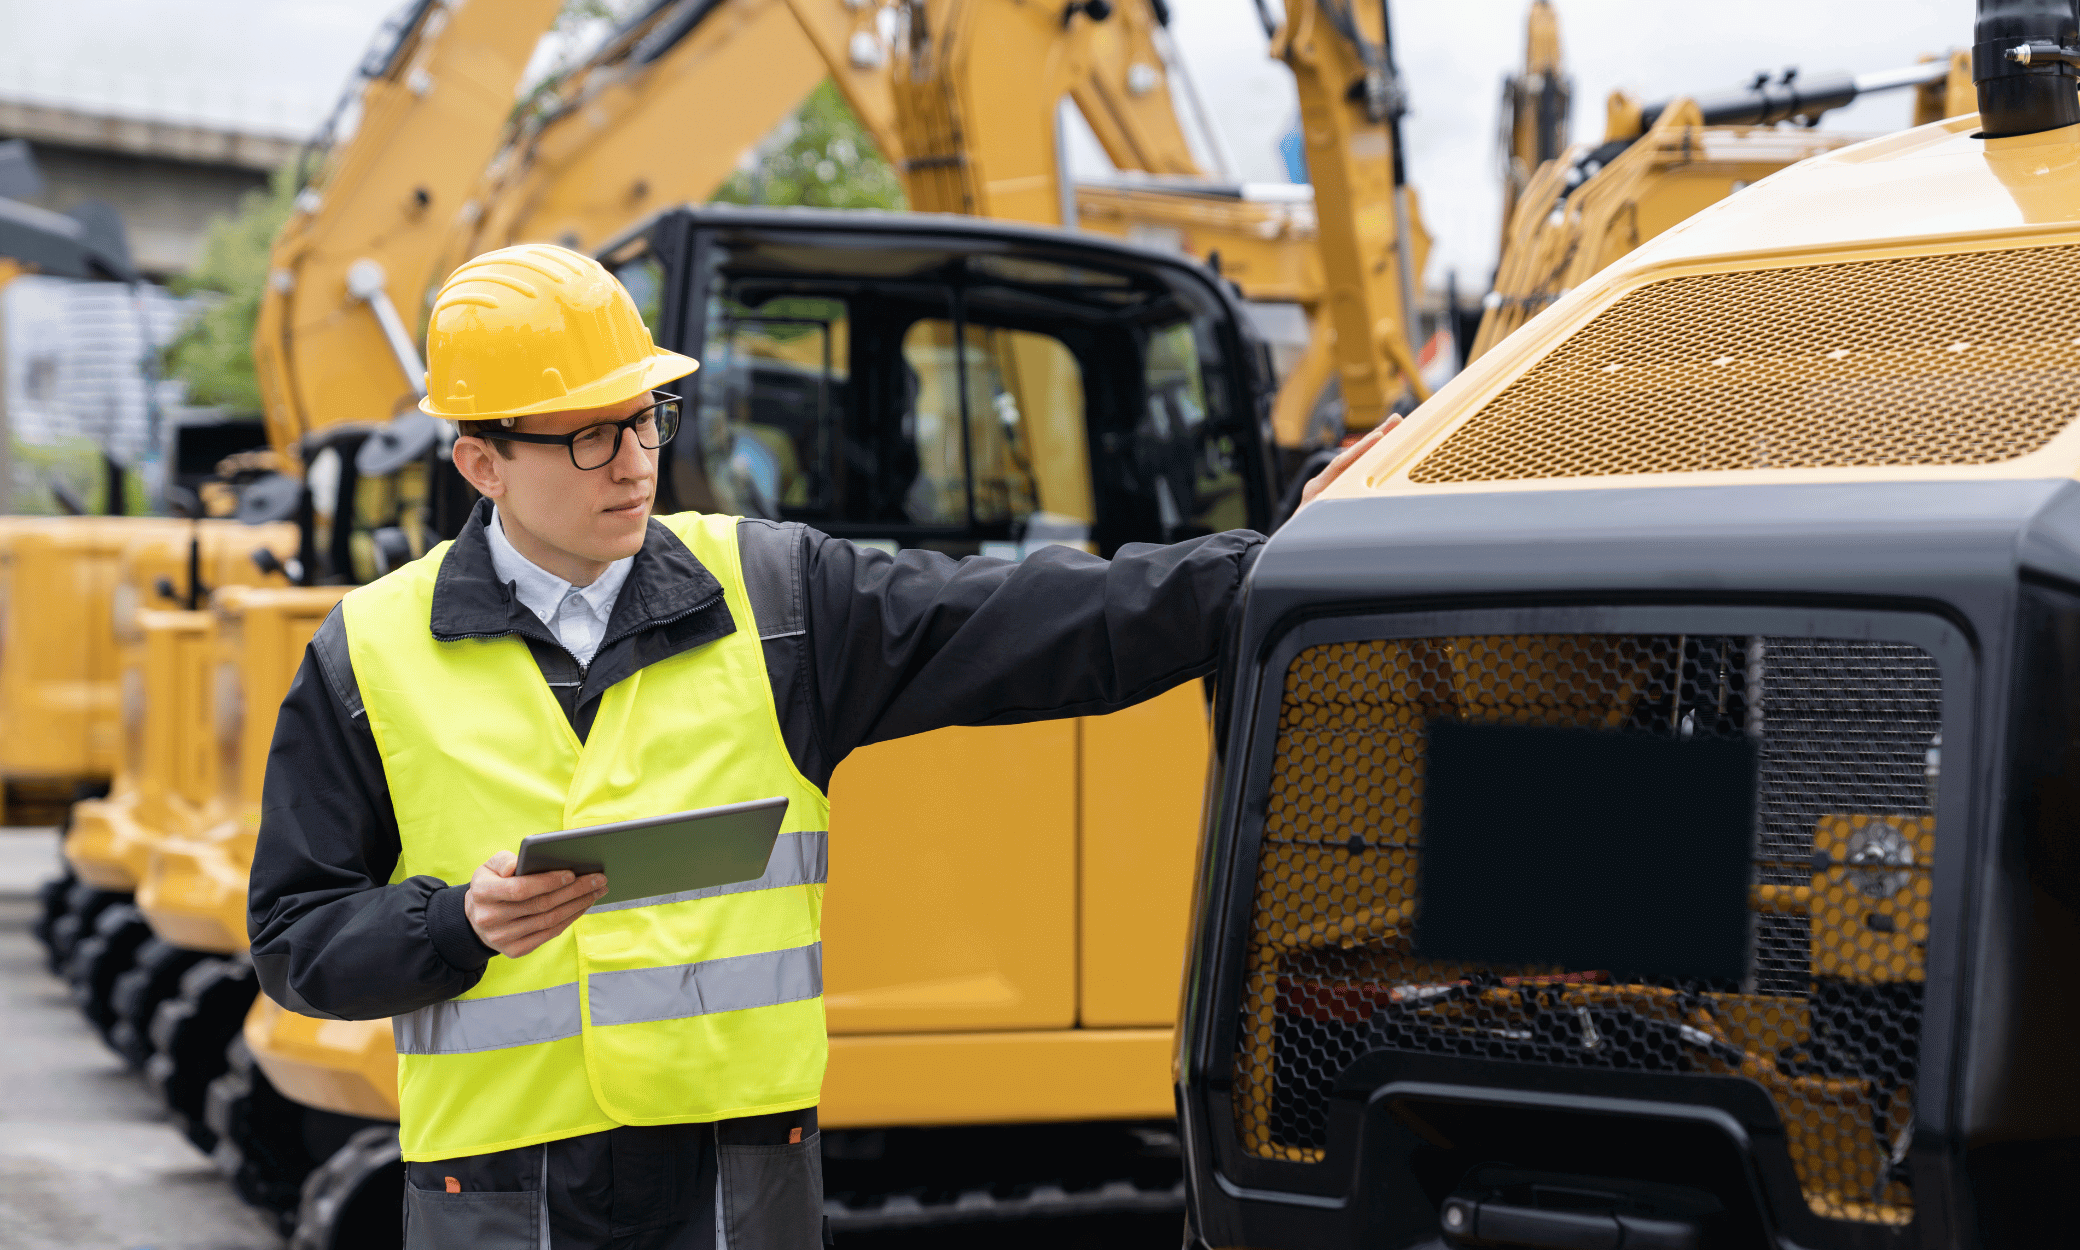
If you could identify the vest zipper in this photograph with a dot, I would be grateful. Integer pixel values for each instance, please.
(702, 606)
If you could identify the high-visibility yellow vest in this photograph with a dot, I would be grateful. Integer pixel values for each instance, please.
(668, 1010)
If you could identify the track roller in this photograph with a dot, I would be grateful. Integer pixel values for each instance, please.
(52, 901)
(190, 1032)
(83, 906)
(152, 978)
(355, 1200)
(259, 1133)
(102, 956)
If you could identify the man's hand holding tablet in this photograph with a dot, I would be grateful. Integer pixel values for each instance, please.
(658, 857)
(514, 914)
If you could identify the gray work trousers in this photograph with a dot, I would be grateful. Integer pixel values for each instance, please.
(749, 1184)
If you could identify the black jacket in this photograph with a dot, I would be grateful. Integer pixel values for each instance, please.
(861, 647)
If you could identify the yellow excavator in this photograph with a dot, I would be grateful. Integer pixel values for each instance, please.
(350, 1079)
(76, 589)
(1351, 103)
(1570, 212)
(1646, 818)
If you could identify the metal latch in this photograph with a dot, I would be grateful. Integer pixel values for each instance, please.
(1472, 1222)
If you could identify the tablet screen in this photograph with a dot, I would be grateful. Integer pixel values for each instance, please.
(671, 854)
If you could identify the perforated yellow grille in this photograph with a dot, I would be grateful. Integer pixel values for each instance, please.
(1828, 1019)
(1928, 360)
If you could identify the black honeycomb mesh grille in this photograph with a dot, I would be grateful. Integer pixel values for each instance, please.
(1828, 1019)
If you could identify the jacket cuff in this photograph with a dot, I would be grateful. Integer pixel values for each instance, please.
(454, 940)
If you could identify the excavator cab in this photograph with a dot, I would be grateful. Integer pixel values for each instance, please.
(1643, 815)
(967, 386)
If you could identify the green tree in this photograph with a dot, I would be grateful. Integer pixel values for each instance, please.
(822, 157)
(214, 356)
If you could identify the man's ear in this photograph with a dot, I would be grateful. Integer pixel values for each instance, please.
(479, 466)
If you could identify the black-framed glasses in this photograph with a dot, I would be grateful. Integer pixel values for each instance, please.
(595, 446)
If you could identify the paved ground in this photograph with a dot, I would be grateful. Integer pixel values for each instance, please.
(87, 1160)
(28, 858)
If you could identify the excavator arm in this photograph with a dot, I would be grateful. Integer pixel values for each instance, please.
(660, 114)
(332, 345)
(987, 143)
(663, 113)
(1340, 52)
(609, 148)
(1534, 108)
(1660, 164)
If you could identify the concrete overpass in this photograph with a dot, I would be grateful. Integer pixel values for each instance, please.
(167, 179)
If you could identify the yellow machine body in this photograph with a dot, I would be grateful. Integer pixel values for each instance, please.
(58, 699)
(1976, 242)
(193, 891)
(110, 842)
(162, 704)
(1931, 192)
(1558, 236)
(344, 1066)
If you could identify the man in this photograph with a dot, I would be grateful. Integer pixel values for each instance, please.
(648, 1076)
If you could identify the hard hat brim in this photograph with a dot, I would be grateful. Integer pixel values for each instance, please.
(619, 386)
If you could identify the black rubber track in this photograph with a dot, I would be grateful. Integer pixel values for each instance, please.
(52, 900)
(83, 906)
(355, 1199)
(102, 956)
(190, 1032)
(260, 1137)
(152, 978)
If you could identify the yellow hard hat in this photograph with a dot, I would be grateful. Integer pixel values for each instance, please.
(538, 328)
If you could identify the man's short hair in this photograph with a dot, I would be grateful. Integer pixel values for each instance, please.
(489, 431)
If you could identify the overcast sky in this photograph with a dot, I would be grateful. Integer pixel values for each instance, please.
(278, 65)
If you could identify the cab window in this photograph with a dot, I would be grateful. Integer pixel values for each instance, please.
(644, 277)
(970, 404)
(996, 421)
(772, 390)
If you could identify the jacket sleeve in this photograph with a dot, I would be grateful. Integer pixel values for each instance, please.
(918, 641)
(332, 937)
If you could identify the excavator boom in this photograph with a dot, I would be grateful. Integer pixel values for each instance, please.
(986, 143)
(1659, 164)
(1534, 107)
(1340, 52)
(663, 113)
(333, 343)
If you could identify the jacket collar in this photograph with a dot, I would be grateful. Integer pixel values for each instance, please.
(666, 582)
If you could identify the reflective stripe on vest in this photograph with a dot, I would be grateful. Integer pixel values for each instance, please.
(673, 1009)
(462, 1026)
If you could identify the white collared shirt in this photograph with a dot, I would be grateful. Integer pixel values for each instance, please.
(577, 615)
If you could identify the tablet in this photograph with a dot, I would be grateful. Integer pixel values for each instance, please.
(664, 854)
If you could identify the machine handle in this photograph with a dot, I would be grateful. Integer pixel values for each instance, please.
(1536, 1228)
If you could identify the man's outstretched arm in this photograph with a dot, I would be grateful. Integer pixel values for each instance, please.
(903, 644)
(897, 645)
